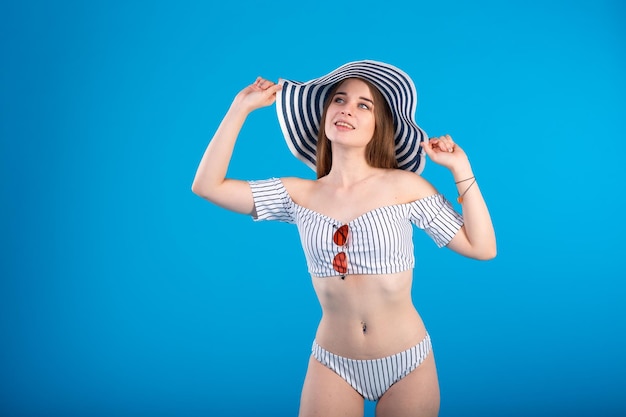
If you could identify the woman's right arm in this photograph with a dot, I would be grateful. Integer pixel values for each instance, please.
(210, 181)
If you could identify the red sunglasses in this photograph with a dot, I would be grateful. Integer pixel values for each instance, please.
(340, 261)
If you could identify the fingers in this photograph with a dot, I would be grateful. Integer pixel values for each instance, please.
(441, 144)
(263, 84)
(268, 87)
(443, 151)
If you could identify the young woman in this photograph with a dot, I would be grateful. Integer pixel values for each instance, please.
(356, 127)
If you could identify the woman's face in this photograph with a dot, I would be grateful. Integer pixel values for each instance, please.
(350, 117)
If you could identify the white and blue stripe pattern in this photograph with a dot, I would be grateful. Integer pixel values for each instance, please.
(379, 241)
(299, 108)
(373, 377)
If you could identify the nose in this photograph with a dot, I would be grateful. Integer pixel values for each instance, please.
(346, 111)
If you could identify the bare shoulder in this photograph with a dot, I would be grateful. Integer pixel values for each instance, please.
(298, 188)
(409, 185)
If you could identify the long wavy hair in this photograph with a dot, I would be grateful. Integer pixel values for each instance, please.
(380, 152)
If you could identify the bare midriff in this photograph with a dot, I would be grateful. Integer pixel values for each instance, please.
(368, 316)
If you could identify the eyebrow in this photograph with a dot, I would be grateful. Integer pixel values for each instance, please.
(362, 98)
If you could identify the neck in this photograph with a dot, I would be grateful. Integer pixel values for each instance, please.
(346, 170)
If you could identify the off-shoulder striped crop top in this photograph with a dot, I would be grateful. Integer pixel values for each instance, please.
(380, 240)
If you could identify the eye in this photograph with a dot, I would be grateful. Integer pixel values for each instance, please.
(364, 106)
(339, 100)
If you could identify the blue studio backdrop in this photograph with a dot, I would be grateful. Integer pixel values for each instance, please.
(124, 294)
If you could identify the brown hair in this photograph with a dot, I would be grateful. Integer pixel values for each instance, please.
(380, 152)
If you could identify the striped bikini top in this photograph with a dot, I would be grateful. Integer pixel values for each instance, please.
(380, 240)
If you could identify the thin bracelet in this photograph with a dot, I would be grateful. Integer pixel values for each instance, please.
(460, 197)
(466, 179)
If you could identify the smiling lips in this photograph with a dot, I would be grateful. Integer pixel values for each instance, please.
(341, 123)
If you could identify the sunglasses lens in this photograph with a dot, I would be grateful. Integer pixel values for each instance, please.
(340, 263)
(341, 235)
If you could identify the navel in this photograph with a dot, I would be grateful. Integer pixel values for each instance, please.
(364, 327)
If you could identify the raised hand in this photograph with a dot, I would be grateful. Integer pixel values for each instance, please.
(443, 151)
(261, 93)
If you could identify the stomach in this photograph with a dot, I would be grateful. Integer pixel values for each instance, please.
(368, 316)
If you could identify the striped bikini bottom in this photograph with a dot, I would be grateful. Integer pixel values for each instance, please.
(372, 377)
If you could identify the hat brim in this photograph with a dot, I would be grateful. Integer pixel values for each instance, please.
(299, 107)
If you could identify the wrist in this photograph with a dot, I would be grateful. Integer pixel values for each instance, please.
(239, 110)
(461, 172)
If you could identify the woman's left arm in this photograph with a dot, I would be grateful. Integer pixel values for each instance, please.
(476, 239)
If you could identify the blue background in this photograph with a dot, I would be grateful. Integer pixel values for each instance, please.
(124, 294)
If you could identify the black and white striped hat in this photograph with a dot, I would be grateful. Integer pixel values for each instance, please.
(299, 106)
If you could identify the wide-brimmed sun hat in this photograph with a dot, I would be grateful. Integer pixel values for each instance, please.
(300, 104)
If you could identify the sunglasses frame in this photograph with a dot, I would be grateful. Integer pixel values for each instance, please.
(340, 261)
